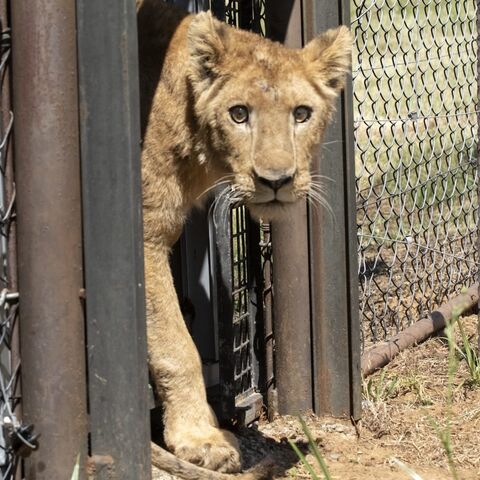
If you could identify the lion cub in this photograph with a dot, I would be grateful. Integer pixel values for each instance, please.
(218, 104)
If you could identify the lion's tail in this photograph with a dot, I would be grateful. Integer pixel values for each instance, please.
(173, 465)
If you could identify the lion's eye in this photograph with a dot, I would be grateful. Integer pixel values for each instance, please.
(239, 113)
(302, 114)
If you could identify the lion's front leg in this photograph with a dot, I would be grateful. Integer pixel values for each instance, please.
(191, 430)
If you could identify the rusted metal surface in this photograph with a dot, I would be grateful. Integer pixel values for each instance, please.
(378, 356)
(113, 237)
(49, 233)
(283, 21)
(290, 281)
(101, 467)
(333, 242)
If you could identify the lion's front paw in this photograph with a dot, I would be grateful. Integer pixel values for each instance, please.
(214, 449)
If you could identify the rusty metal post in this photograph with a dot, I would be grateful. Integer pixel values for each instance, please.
(333, 249)
(293, 362)
(113, 237)
(49, 233)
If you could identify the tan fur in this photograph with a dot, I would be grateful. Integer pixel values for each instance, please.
(193, 69)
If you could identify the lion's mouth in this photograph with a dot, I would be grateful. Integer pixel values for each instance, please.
(273, 202)
(269, 197)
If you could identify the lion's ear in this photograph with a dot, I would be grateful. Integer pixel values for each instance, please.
(329, 57)
(206, 43)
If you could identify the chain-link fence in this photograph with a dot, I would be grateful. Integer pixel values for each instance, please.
(415, 116)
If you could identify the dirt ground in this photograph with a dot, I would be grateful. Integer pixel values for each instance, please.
(405, 411)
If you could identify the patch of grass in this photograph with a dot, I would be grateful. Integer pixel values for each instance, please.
(416, 385)
(380, 389)
(469, 354)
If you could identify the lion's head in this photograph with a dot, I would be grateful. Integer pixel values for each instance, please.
(262, 108)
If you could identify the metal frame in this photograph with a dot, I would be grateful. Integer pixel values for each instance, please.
(115, 300)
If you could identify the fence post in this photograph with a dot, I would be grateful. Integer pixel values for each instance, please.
(333, 243)
(49, 233)
(112, 212)
(293, 362)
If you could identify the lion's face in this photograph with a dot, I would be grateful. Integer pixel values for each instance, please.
(262, 108)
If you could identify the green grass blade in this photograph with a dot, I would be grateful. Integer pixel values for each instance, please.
(301, 456)
(314, 449)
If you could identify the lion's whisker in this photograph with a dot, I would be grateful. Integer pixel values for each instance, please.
(315, 196)
(323, 177)
(220, 181)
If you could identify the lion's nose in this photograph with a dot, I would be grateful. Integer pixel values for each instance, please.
(277, 183)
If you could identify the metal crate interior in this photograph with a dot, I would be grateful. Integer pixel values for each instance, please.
(415, 118)
(242, 321)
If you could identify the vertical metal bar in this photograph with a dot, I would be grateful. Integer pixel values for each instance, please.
(255, 294)
(333, 242)
(291, 281)
(218, 8)
(282, 21)
(110, 146)
(223, 286)
(49, 233)
(245, 14)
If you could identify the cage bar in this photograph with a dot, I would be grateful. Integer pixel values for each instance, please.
(293, 378)
(334, 281)
(115, 300)
(50, 279)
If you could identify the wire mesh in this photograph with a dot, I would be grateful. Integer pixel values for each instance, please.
(242, 321)
(415, 118)
(12, 434)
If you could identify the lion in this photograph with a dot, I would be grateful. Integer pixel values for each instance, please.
(218, 106)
